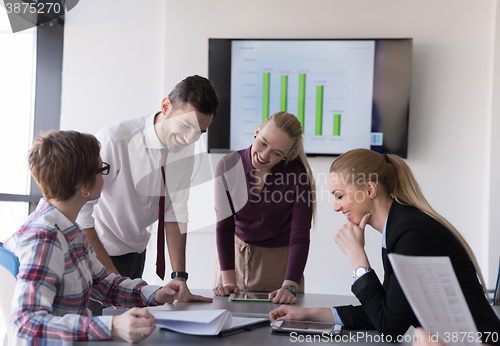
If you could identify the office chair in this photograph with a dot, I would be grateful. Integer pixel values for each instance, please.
(9, 267)
(496, 296)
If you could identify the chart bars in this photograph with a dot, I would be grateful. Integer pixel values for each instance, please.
(320, 92)
(284, 92)
(319, 110)
(302, 99)
(265, 98)
(336, 124)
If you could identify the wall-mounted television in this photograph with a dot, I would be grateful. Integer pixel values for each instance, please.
(347, 93)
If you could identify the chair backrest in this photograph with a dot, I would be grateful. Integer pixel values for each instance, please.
(9, 267)
(9, 260)
(496, 296)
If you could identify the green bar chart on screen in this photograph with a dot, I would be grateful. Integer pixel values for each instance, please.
(302, 99)
(284, 92)
(336, 124)
(319, 110)
(266, 96)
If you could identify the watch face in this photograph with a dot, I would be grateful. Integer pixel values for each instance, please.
(291, 288)
(360, 271)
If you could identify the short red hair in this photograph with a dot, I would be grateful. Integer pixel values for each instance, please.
(62, 161)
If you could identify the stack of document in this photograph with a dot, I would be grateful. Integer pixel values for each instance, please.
(206, 322)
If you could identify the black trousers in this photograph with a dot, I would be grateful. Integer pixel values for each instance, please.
(130, 265)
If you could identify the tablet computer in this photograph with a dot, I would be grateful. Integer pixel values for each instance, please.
(305, 327)
(251, 297)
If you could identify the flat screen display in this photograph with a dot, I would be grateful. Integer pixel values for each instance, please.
(243, 295)
(346, 93)
(307, 325)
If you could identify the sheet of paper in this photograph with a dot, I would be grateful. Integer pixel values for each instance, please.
(243, 321)
(433, 291)
(202, 322)
(195, 322)
(201, 316)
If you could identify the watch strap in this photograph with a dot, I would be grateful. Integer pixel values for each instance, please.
(361, 270)
(183, 275)
(291, 288)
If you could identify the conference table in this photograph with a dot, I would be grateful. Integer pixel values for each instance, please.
(260, 336)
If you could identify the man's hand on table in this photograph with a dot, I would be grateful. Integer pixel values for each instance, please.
(183, 294)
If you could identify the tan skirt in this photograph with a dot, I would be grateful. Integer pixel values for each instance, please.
(258, 269)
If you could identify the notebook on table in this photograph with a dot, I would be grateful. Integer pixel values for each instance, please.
(207, 322)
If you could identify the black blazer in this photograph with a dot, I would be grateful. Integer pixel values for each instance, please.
(384, 307)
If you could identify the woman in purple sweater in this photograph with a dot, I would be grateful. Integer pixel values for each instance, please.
(264, 204)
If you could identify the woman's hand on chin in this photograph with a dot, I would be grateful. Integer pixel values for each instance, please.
(351, 240)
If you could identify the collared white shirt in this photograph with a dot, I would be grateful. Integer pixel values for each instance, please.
(130, 195)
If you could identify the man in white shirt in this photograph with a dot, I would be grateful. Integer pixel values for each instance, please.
(142, 153)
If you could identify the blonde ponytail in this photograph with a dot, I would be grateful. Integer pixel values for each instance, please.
(397, 179)
(301, 155)
(291, 125)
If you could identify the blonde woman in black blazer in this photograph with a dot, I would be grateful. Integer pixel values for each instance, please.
(380, 190)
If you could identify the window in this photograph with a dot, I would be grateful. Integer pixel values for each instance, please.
(17, 68)
(30, 89)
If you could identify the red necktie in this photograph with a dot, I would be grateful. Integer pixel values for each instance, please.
(160, 255)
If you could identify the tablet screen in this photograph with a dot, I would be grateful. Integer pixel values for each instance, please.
(252, 296)
(307, 325)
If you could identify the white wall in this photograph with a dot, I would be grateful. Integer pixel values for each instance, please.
(119, 61)
(113, 68)
(493, 240)
(113, 65)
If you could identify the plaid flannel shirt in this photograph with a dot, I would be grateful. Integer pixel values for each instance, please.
(58, 274)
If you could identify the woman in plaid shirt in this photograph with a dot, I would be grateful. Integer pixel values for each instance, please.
(58, 271)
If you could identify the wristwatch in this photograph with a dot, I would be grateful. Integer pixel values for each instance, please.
(360, 271)
(291, 288)
(183, 275)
